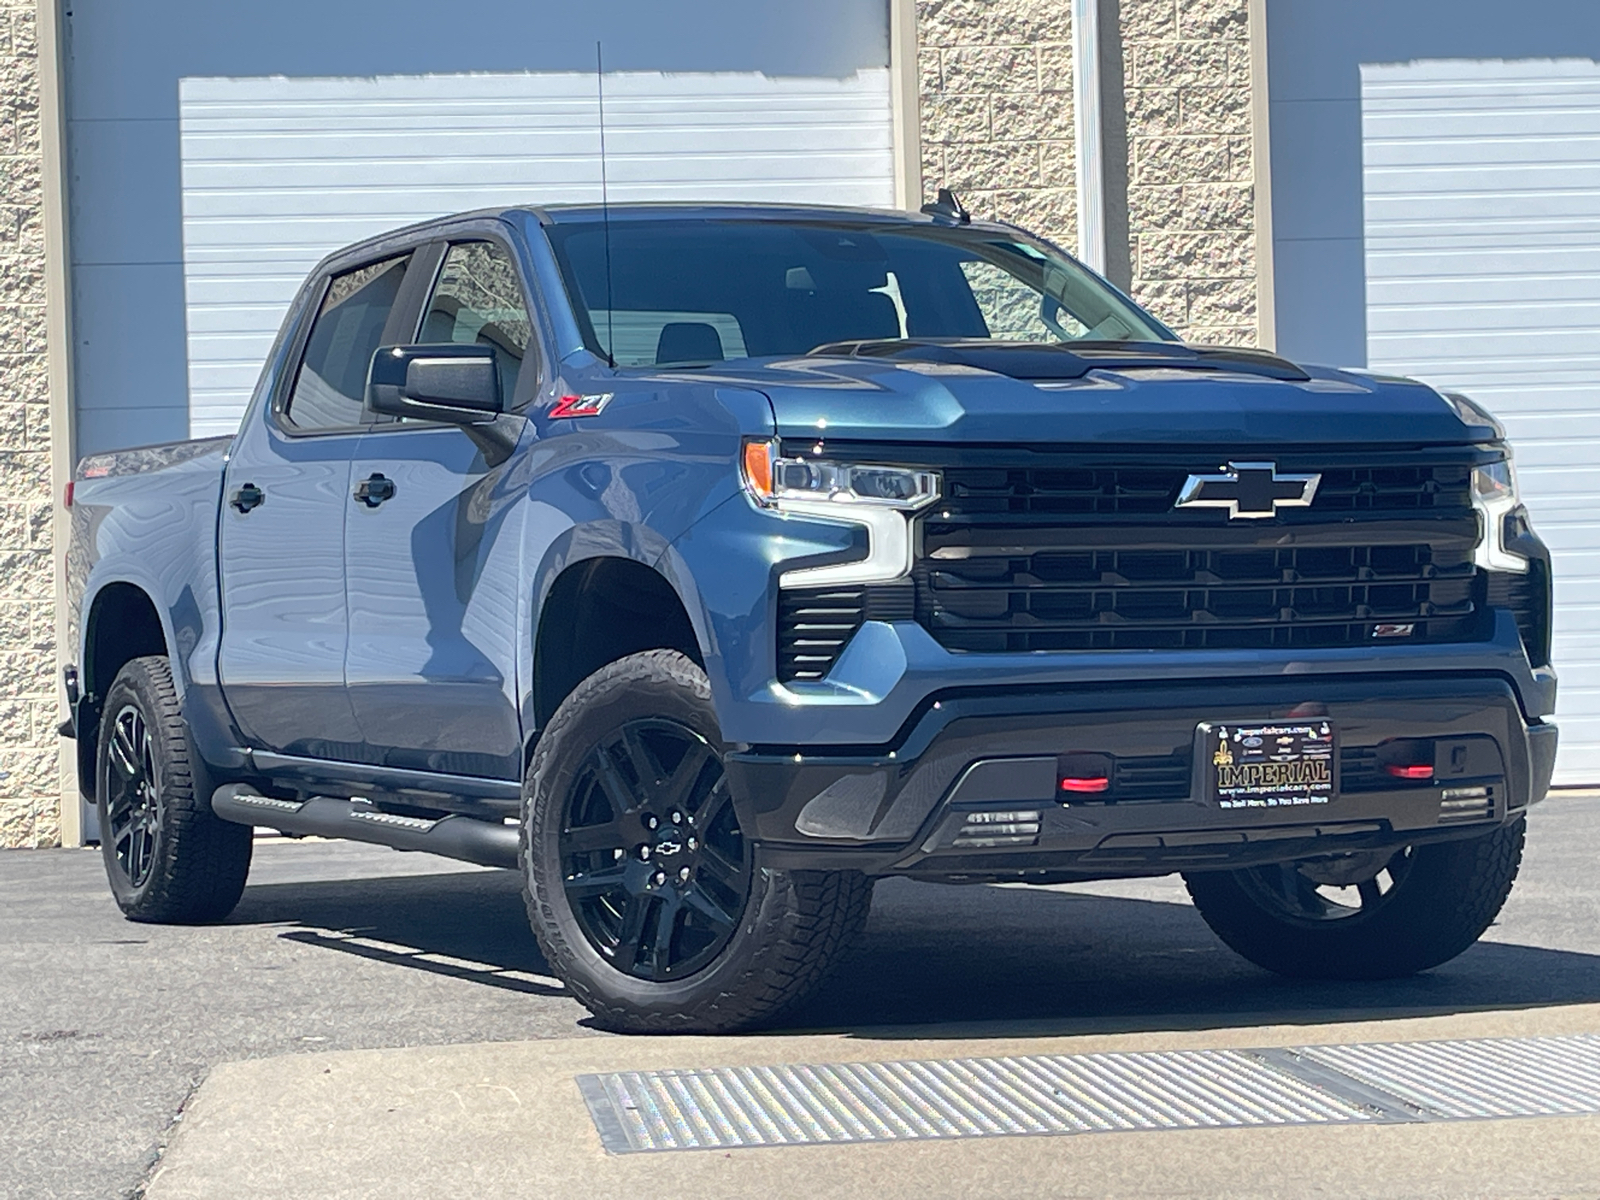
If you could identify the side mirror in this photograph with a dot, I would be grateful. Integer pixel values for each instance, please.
(449, 382)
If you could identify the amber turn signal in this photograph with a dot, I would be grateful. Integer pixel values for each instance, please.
(758, 469)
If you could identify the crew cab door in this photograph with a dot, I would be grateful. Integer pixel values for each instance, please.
(286, 494)
(432, 552)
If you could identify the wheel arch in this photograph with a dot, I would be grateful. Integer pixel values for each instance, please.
(595, 611)
(122, 623)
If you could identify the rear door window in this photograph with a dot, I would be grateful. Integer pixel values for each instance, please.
(331, 385)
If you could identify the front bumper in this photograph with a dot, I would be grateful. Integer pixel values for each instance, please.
(973, 763)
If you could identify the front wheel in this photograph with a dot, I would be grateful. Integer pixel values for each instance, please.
(1367, 915)
(168, 857)
(641, 883)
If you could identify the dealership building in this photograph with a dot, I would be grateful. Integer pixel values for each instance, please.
(1411, 186)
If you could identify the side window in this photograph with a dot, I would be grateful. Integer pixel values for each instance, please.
(329, 390)
(478, 301)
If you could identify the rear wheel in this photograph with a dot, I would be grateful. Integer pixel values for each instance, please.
(168, 857)
(641, 883)
(1371, 915)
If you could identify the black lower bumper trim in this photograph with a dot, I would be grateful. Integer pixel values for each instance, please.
(981, 795)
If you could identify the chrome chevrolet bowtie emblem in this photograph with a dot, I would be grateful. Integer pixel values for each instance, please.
(1248, 489)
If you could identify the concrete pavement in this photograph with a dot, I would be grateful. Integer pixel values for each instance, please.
(106, 1027)
(503, 1121)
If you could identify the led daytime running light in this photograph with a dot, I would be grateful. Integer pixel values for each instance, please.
(879, 497)
(1494, 495)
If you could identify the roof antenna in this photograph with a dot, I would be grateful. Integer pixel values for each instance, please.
(948, 207)
(605, 210)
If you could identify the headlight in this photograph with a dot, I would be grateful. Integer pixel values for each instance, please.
(882, 498)
(1494, 495)
(774, 481)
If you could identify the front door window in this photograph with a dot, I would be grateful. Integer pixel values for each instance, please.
(478, 301)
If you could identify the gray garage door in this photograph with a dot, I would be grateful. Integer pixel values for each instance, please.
(1482, 184)
(211, 158)
(277, 171)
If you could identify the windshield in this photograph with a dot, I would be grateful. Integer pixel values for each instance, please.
(690, 292)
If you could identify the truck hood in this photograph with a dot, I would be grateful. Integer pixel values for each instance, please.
(1172, 395)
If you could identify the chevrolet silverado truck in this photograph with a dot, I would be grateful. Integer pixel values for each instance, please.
(705, 564)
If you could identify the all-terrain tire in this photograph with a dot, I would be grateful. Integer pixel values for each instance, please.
(1448, 895)
(169, 858)
(793, 924)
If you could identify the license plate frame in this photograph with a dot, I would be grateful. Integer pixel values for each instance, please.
(1293, 763)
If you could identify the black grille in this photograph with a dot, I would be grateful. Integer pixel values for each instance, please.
(1163, 777)
(1167, 777)
(1071, 554)
(815, 623)
(999, 601)
(1092, 491)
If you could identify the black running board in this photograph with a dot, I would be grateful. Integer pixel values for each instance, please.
(465, 838)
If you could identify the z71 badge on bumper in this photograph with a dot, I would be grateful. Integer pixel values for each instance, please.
(1284, 765)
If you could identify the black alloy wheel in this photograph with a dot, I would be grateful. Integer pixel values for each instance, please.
(168, 857)
(1368, 914)
(133, 803)
(653, 862)
(1315, 891)
(646, 893)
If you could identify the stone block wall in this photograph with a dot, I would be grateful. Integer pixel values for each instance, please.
(30, 792)
(1191, 216)
(996, 90)
(997, 125)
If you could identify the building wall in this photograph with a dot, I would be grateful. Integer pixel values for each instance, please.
(1191, 214)
(997, 112)
(997, 126)
(30, 794)
(1315, 50)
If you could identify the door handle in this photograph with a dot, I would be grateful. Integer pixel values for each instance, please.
(374, 490)
(246, 497)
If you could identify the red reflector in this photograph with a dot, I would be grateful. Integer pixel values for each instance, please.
(66, 496)
(1085, 784)
(1410, 770)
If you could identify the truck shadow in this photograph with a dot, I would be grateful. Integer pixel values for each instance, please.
(1018, 962)
(946, 962)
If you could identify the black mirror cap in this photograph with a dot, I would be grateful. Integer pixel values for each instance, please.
(446, 382)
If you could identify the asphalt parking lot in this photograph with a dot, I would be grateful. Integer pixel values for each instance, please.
(106, 1028)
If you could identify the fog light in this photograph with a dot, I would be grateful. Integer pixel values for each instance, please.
(999, 829)
(1003, 818)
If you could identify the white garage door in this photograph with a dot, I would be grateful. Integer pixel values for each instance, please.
(1482, 183)
(279, 171)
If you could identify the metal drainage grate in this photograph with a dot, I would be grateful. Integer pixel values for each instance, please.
(1509, 1077)
(1092, 1093)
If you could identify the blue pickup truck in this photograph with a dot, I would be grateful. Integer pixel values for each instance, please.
(705, 564)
